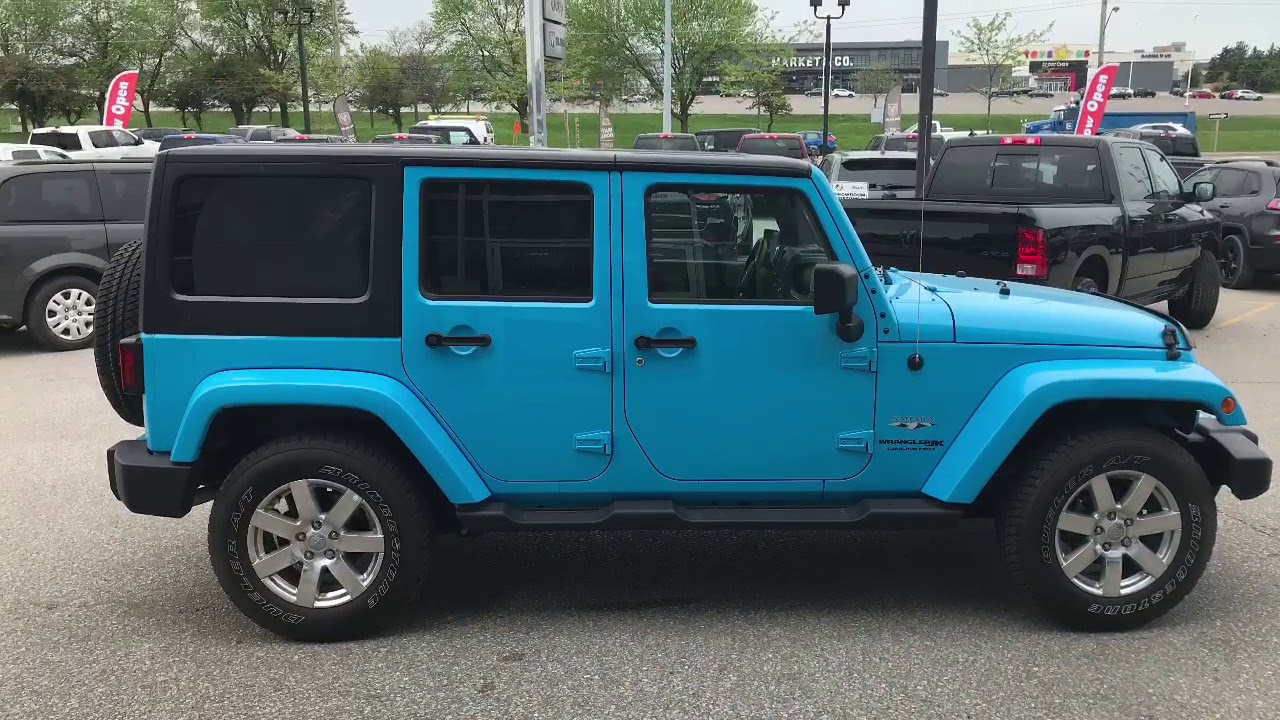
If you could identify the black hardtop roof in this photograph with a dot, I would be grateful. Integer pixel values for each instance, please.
(494, 156)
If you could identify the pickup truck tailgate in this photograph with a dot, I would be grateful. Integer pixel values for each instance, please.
(983, 239)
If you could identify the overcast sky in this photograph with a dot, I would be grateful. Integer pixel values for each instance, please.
(1139, 24)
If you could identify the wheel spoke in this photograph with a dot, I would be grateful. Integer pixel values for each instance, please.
(1077, 523)
(1157, 523)
(304, 499)
(346, 576)
(341, 512)
(1147, 559)
(361, 542)
(1081, 559)
(1103, 499)
(1112, 574)
(309, 585)
(1138, 495)
(275, 523)
(274, 563)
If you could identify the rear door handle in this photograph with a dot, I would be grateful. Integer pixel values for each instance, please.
(644, 342)
(1224, 205)
(436, 340)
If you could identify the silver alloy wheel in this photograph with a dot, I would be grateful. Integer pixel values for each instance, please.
(69, 314)
(315, 543)
(1114, 548)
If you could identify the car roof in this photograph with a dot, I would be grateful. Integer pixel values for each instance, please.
(868, 154)
(24, 146)
(497, 156)
(73, 128)
(1051, 139)
(716, 130)
(770, 135)
(670, 134)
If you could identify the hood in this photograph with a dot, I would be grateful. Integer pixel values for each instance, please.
(1036, 315)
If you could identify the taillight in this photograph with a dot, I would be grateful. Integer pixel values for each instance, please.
(1274, 205)
(301, 137)
(913, 136)
(1033, 255)
(131, 380)
(666, 136)
(188, 137)
(1020, 141)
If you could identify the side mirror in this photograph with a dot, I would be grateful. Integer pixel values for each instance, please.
(1203, 192)
(835, 292)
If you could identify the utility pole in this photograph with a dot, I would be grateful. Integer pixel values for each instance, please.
(924, 91)
(300, 16)
(1102, 35)
(666, 67)
(826, 69)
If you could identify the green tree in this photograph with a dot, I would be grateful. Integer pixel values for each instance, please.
(189, 94)
(380, 84)
(427, 68)
(485, 40)
(98, 42)
(875, 81)
(152, 43)
(32, 69)
(997, 46)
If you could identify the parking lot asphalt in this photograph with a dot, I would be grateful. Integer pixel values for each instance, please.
(105, 614)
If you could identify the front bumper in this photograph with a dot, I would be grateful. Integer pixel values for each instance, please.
(1230, 456)
(149, 484)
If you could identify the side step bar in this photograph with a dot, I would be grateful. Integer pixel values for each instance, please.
(875, 514)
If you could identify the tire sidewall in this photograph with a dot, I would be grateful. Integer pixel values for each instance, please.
(39, 327)
(403, 526)
(1184, 480)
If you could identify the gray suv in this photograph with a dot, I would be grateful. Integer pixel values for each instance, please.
(59, 225)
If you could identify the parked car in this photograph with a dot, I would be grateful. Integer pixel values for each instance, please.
(843, 93)
(1161, 127)
(156, 134)
(59, 225)
(813, 140)
(1200, 94)
(1144, 93)
(314, 355)
(779, 144)
(1041, 93)
(870, 175)
(20, 151)
(478, 125)
(260, 134)
(321, 139)
(1047, 209)
(1181, 148)
(1227, 95)
(170, 142)
(667, 141)
(93, 142)
(1247, 95)
(939, 92)
(723, 140)
(451, 134)
(410, 139)
(1178, 92)
(1248, 203)
(813, 92)
(1121, 93)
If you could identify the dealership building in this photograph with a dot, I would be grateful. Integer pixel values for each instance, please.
(803, 70)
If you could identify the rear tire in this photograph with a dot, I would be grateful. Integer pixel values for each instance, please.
(120, 300)
(61, 314)
(1237, 271)
(1196, 307)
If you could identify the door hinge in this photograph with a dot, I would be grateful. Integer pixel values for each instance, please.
(863, 359)
(596, 359)
(594, 442)
(856, 441)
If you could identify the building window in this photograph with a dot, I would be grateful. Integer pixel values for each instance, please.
(861, 60)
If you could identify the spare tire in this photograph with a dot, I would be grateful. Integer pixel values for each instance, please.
(119, 301)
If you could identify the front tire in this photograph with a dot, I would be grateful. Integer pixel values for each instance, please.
(1109, 529)
(1197, 305)
(319, 537)
(60, 315)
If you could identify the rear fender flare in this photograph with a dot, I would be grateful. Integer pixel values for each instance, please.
(1024, 395)
(379, 395)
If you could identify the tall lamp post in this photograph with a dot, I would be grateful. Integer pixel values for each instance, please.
(300, 16)
(1103, 20)
(826, 69)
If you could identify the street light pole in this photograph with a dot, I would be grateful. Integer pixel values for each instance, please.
(300, 16)
(826, 69)
(924, 91)
(1103, 20)
(666, 67)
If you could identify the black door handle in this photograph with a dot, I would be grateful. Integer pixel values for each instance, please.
(644, 342)
(1224, 205)
(436, 340)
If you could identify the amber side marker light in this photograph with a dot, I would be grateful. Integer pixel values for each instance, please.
(1228, 405)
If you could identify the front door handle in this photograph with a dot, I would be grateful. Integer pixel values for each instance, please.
(436, 340)
(644, 342)
(1224, 205)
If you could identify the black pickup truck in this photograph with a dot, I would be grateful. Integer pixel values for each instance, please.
(1096, 214)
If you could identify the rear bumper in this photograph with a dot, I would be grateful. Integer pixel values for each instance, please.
(1230, 456)
(147, 483)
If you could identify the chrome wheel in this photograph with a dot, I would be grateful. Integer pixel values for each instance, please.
(315, 543)
(1111, 547)
(69, 314)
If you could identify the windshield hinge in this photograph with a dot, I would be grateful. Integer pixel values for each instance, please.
(863, 359)
(596, 359)
(860, 441)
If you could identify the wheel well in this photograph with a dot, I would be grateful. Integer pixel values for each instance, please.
(1214, 245)
(235, 432)
(89, 274)
(1096, 268)
(1068, 418)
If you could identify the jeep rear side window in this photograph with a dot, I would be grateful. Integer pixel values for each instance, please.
(50, 197)
(726, 245)
(507, 239)
(272, 237)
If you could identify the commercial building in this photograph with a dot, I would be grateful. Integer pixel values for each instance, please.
(1066, 67)
(803, 70)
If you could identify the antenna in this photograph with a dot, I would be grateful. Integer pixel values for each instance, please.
(916, 360)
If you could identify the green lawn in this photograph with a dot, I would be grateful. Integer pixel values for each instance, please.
(1239, 134)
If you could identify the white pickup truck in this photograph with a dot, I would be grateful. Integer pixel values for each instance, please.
(97, 142)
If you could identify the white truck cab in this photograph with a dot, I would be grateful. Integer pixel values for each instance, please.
(95, 142)
(479, 125)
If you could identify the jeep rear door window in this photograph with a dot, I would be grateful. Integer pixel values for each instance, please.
(507, 239)
(272, 237)
(124, 195)
(50, 197)
(730, 245)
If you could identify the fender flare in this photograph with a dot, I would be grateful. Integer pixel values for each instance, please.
(1029, 391)
(1114, 266)
(379, 395)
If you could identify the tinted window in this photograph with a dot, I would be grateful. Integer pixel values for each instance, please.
(240, 132)
(416, 140)
(175, 141)
(281, 237)
(123, 138)
(879, 171)
(507, 239)
(907, 143)
(50, 197)
(1135, 180)
(103, 139)
(727, 245)
(1252, 183)
(655, 142)
(25, 154)
(62, 141)
(124, 195)
(1163, 177)
(1229, 183)
(260, 134)
(784, 147)
(1050, 172)
(721, 140)
(1180, 145)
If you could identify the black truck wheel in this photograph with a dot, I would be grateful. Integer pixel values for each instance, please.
(1196, 306)
(119, 300)
(1109, 529)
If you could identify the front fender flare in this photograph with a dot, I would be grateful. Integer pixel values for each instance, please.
(1024, 395)
(379, 395)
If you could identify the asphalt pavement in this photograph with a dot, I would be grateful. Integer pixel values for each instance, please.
(105, 614)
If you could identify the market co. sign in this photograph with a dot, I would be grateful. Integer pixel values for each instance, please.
(812, 61)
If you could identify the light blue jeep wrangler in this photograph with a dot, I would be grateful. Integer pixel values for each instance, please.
(353, 349)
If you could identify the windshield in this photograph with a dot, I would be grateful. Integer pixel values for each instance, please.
(879, 172)
(655, 142)
(721, 140)
(908, 143)
(1175, 145)
(784, 147)
(62, 141)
